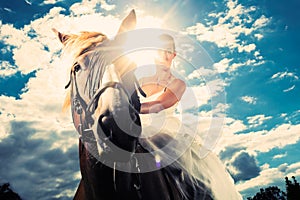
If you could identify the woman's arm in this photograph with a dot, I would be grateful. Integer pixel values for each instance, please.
(171, 96)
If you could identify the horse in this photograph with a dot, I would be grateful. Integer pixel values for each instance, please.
(103, 95)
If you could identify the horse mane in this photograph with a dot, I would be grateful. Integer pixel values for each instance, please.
(79, 44)
(75, 46)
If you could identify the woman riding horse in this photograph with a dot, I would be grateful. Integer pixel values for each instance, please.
(114, 159)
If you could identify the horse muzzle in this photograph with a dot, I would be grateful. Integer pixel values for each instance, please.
(118, 131)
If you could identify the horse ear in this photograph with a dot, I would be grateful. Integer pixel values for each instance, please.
(128, 22)
(62, 37)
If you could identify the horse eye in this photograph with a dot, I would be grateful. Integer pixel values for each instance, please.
(77, 67)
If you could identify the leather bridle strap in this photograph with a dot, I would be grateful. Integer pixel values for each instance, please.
(80, 105)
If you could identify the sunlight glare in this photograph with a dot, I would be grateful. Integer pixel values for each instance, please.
(142, 57)
(140, 45)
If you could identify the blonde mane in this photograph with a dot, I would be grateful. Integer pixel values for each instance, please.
(75, 46)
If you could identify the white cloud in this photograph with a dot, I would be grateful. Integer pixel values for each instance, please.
(230, 127)
(293, 169)
(84, 7)
(257, 120)
(12, 36)
(51, 1)
(88, 6)
(235, 22)
(40, 105)
(283, 167)
(283, 115)
(6, 116)
(106, 6)
(28, 2)
(233, 13)
(221, 34)
(278, 156)
(249, 99)
(246, 48)
(235, 66)
(282, 75)
(229, 27)
(270, 176)
(289, 89)
(6, 69)
(250, 62)
(27, 161)
(223, 65)
(9, 10)
(216, 87)
(266, 177)
(200, 73)
(261, 22)
(194, 97)
(291, 76)
(261, 141)
(257, 55)
(258, 36)
(36, 58)
(233, 125)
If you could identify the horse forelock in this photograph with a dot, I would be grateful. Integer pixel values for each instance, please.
(76, 45)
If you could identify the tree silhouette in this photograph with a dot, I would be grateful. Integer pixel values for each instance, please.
(269, 193)
(292, 189)
(7, 194)
(274, 193)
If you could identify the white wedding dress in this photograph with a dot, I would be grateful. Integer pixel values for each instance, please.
(172, 141)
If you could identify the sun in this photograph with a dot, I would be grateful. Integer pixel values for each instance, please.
(141, 44)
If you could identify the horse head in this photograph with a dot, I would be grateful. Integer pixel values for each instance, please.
(103, 96)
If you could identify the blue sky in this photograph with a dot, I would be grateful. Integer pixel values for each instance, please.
(253, 47)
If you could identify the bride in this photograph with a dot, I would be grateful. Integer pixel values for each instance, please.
(171, 141)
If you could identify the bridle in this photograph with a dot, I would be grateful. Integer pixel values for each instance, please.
(84, 111)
